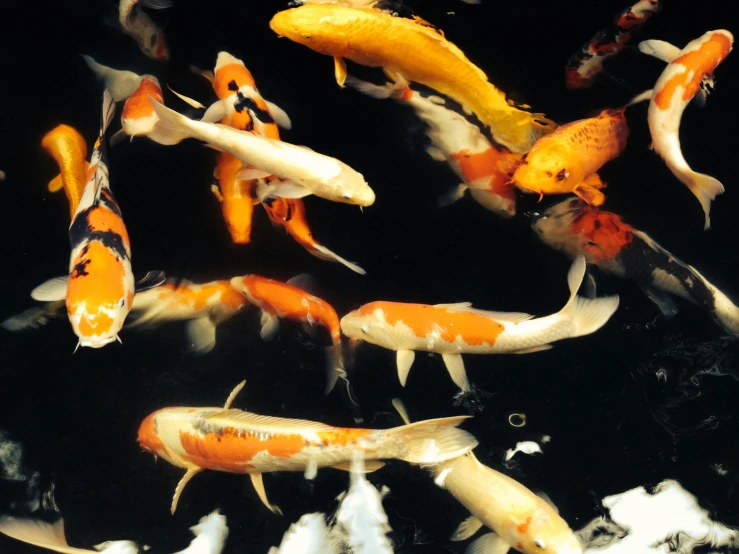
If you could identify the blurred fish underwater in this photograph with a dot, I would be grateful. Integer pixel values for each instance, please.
(534, 199)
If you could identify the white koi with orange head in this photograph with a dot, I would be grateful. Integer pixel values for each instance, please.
(455, 329)
(138, 117)
(679, 83)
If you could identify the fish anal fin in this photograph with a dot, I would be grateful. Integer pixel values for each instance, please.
(192, 472)
(533, 349)
(489, 543)
(466, 529)
(258, 482)
(455, 366)
(663, 300)
(369, 466)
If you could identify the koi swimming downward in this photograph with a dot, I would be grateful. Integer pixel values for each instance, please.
(69, 150)
(147, 34)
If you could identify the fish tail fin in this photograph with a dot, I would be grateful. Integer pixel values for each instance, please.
(452, 195)
(587, 315)
(320, 251)
(705, 188)
(171, 127)
(432, 441)
(34, 318)
(36, 532)
(334, 366)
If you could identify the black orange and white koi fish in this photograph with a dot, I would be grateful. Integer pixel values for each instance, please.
(455, 329)
(416, 51)
(484, 169)
(235, 441)
(69, 150)
(586, 65)
(147, 34)
(100, 287)
(682, 79)
(616, 247)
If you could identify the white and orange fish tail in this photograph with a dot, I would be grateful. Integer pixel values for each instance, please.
(320, 251)
(429, 442)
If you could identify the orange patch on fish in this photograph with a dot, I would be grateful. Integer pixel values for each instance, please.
(105, 289)
(228, 73)
(342, 436)
(138, 106)
(498, 165)
(605, 234)
(93, 324)
(148, 437)
(524, 527)
(290, 213)
(199, 296)
(104, 220)
(237, 203)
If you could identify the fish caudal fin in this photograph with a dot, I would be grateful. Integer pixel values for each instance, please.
(434, 440)
(171, 127)
(334, 367)
(38, 533)
(706, 189)
(587, 315)
(320, 251)
(34, 318)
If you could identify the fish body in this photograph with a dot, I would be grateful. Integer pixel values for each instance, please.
(676, 87)
(455, 329)
(236, 196)
(616, 247)
(138, 117)
(519, 518)
(417, 52)
(567, 159)
(69, 150)
(147, 34)
(587, 64)
(120, 82)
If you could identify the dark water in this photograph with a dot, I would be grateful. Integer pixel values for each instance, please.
(614, 422)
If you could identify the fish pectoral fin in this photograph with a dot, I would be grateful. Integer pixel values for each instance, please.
(215, 112)
(404, 360)
(52, 290)
(289, 189)
(279, 115)
(118, 137)
(452, 195)
(186, 99)
(234, 394)
(201, 335)
(540, 348)
(663, 300)
(192, 472)
(258, 482)
(369, 466)
(216, 192)
(466, 529)
(659, 49)
(455, 366)
(436, 153)
(545, 497)
(594, 181)
(340, 71)
(270, 326)
(150, 280)
(589, 191)
(489, 543)
(56, 183)
(250, 173)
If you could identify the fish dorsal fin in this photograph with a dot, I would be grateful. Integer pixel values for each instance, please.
(150, 280)
(247, 420)
(303, 282)
(466, 307)
(234, 394)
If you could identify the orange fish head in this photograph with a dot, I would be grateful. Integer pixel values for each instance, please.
(546, 170)
(544, 532)
(317, 26)
(149, 439)
(99, 328)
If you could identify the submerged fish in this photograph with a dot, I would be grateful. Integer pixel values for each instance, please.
(618, 248)
(137, 23)
(455, 329)
(235, 441)
(236, 197)
(69, 150)
(418, 53)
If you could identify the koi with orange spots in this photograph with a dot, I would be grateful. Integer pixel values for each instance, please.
(416, 51)
(455, 329)
(484, 168)
(69, 150)
(100, 287)
(137, 23)
(586, 65)
(236, 441)
(684, 78)
(616, 247)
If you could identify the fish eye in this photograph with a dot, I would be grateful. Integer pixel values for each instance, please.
(365, 329)
(347, 196)
(538, 543)
(549, 174)
(123, 302)
(562, 175)
(305, 35)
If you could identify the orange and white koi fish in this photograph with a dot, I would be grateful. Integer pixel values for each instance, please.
(204, 306)
(618, 248)
(485, 169)
(587, 64)
(416, 51)
(236, 196)
(235, 441)
(455, 329)
(135, 22)
(100, 287)
(676, 87)
(69, 150)
(290, 214)
(278, 300)
(305, 171)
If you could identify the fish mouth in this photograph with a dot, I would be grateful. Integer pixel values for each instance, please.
(96, 343)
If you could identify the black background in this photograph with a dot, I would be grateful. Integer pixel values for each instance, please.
(598, 397)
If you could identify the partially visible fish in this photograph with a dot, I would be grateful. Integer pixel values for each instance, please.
(137, 23)
(69, 150)
(236, 196)
(121, 83)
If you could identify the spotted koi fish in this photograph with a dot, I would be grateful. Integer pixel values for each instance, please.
(100, 287)
(587, 64)
(147, 34)
(484, 169)
(455, 329)
(235, 441)
(69, 150)
(616, 247)
(375, 38)
(683, 78)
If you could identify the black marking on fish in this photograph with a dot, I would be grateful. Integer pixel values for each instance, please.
(244, 102)
(80, 269)
(108, 201)
(232, 86)
(81, 232)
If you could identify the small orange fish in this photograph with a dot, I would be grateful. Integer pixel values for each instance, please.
(236, 197)
(69, 150)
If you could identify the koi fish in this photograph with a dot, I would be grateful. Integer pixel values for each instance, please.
(617, 248)
(121, 83)
(679, 83)
(485, 170)
(290, 214)
(147, 34)
(518, 518)
(290, 301)
(587, 64)
(417, 52)
(100, 287)
(455, 329)
(235, 441)
(69, 150)
(305, 171)
(204, 306)
(236, 197)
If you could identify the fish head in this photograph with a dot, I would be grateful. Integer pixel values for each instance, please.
(545, 532)
(546, 170)
(360, 194)
(555, 225)
(317, 26)
(150, 440)
(367, 324)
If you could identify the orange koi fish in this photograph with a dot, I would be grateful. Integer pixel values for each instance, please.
(617, 248)
(69, 150)
(455, 329)
(587, 64)
(416, 51)
(236, 196)
(100, 287)
(135, 22)
(278, 300)
(290, 214)
(484, 169)
(204, 306)
(683, 78)
(235, 441)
